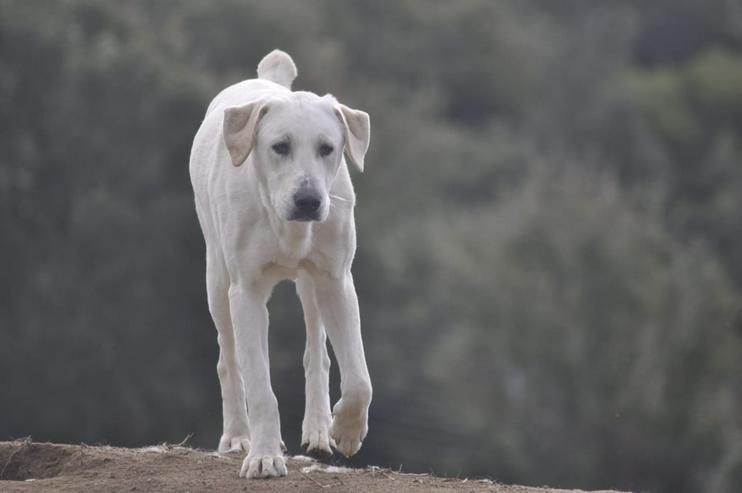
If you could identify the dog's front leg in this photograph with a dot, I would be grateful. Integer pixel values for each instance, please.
(250, 320)
(338, 305)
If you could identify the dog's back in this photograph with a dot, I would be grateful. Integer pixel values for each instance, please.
(276, 72)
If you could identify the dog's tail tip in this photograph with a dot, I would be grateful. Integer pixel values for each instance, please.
(277, 66)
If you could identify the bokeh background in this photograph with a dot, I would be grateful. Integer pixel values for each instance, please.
(550, 229)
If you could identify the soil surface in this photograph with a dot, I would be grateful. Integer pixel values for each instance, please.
(26, 466)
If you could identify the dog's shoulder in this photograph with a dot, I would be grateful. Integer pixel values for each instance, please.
(245, 92)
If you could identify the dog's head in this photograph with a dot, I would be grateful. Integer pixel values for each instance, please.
(297, 143)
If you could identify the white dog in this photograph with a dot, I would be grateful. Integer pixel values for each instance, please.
(275, 201)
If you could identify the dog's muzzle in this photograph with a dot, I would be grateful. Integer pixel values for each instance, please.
(307, 203)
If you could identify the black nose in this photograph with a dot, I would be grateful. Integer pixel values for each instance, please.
(307, 202)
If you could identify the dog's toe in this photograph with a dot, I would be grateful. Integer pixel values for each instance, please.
(315, 437)
(349, 446)
(319, 443)
(349, 427)
(230, 443)
(266, 466)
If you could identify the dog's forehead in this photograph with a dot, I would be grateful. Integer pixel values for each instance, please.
(302, 114)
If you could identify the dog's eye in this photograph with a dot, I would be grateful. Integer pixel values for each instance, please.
(282, 148)
(325, 150)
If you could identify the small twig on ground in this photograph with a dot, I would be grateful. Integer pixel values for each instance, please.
(380, 470)
(169, 446)
(185, 440)
(314, 480)
(25, 442)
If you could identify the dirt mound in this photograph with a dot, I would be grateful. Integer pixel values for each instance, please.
(27, 466)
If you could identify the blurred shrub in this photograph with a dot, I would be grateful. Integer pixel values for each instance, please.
(548, 263)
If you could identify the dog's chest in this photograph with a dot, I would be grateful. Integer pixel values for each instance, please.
(290, 253)
(287, 264)
(292, 245)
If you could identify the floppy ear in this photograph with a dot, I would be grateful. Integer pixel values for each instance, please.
(239, 129)
(357, 133)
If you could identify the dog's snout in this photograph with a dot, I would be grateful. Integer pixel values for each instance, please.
(307, 201)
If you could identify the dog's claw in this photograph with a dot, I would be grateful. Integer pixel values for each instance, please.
(266, 466)
(319, 451)
(349, 427)
(349, 447)
(229, 443)
(316, 437)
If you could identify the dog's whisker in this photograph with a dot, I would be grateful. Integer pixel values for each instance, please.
(338, 200)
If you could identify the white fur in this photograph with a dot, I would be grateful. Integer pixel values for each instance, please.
(243, 191)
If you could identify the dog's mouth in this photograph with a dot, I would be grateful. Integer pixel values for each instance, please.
(304, 216)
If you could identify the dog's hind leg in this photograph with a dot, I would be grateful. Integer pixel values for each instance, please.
(236, 434)
(315, 435)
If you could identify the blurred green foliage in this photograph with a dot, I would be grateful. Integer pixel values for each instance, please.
(550, 227)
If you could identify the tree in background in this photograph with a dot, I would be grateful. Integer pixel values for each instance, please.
(549, 228)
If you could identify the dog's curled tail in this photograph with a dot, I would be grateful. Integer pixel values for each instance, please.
(277, 66)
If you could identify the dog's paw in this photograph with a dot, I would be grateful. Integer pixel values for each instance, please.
(349, 426)
(263, 466)
(231, 443)
(315, 435)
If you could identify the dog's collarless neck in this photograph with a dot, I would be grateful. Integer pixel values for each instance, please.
(294, 238)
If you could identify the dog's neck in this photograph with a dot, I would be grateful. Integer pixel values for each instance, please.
(294, 238)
